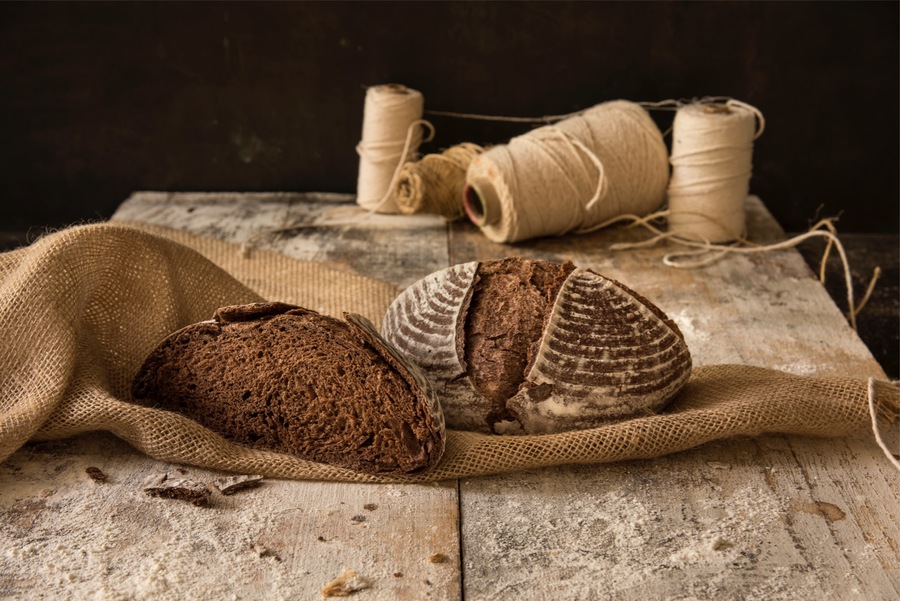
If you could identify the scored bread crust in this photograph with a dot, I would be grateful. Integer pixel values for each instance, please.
(288, 379)
(588, 349)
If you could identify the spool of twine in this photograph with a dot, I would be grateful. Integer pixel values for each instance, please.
(571, 176)
(712, 151)
(391, 135)
(436, 183)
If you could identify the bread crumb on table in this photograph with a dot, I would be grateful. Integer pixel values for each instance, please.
(346, 584)
(96, 474)
(231, 484)
(193, 491)
(263, 551)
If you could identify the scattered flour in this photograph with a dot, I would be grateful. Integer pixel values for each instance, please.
(589, 541)
(799, 369)
(694, 332)
(111, 542)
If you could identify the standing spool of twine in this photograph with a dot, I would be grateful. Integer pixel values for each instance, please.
(391, 135)
(436, 183)
(572, 176)
(712, 152)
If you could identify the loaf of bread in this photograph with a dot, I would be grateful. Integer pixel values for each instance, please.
(283, 378)
(529, 346)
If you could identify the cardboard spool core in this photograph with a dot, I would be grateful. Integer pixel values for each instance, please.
(481, 203)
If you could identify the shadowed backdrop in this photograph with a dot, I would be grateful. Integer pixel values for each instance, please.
(100, 99)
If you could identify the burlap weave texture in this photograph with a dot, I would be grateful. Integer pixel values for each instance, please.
(81, 308)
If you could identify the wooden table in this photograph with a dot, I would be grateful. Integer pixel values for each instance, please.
(774, 517)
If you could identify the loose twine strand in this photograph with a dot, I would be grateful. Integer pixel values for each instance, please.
(876, 430)
(477, 117)
(671, 104)
(706, 253)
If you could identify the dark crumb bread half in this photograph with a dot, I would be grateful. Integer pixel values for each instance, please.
(283, 378)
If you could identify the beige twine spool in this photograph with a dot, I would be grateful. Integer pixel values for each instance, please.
(436, 183)
(391, 135)
(570, 176)
(712, 153)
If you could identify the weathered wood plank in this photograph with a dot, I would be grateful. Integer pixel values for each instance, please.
(775, 517)
(329, 228)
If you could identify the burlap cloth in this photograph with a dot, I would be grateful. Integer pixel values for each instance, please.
(81, 308)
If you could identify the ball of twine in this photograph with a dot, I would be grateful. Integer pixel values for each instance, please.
(712, 152)
(569, 177)
(391, 135)
(435, 184)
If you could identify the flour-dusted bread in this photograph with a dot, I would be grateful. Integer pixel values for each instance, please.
(517, 346)
(284, 378)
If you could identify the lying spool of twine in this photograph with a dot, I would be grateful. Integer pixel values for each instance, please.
(568, 177)
(391, 135)
(712, 152)
(436, 183)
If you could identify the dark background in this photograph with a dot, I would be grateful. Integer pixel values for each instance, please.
(100, 99)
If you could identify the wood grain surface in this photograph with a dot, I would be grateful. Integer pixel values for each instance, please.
(773, 517)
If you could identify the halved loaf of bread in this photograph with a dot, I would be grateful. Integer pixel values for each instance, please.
(283, 378)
